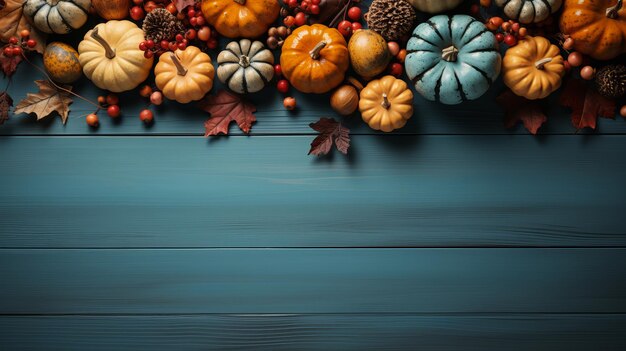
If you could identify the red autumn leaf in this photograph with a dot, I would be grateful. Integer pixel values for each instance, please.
(586, 104)
(13, 20)
(331, 132)
(8, 65)
(182, 4)
(224, 108)
(5, 105)
(518, 109)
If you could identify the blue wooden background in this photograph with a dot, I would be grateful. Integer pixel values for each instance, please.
(452, 233)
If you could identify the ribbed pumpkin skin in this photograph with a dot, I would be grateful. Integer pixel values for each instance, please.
(467, 78)
(231, 19)
(529, 11)
(435, 6)
(57, 16)
(310, 75)
(127, 69)
(521, 75)
(400, 103)
(245, 66)
(194, 84)
(593, 32)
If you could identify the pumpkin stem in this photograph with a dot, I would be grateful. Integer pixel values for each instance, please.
(450, 53)
(244, 61)
(109, 52)
(539, 64)
(179, 66)
(385, 104)
(240, 2)
(315, 53)
(612, 12)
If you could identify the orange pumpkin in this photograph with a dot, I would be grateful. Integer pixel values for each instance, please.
(598, 27)
(240, 18)
(315, 58)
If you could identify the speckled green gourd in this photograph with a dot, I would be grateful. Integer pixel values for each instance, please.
(61, 62)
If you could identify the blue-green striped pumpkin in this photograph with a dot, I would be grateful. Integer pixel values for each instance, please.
(452, 59)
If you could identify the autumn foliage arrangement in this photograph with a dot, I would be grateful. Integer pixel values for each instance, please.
(371, 57)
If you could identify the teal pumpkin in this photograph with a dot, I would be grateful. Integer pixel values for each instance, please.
(452, 59)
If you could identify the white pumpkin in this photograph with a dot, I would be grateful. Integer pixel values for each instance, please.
(57, 16)
(529, 11)
(245, 66)
(434, 6)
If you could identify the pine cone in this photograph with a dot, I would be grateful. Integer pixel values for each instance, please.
(610, 81)
(393, 19)
(160, 24)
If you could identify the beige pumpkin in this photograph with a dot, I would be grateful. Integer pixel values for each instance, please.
(245, 66)
(185, 75)
(386, 103)
(111, 58)
(57, 16)
(434, 6)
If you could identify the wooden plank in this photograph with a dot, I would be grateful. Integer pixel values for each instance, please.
(482, 116)
(313, 281)
(436, 191)
(315, 332)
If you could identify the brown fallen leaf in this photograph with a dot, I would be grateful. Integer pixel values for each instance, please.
(518, 109)
(182, 4)
(8, 65)
(48, 100)
(331, 132)
(224, 108)
(5, 106)
(586, 104)
(13, 20)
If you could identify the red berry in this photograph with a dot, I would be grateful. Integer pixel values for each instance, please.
(587, 73)
(137, 13)
(354, 13)
(567, 66)
(172, 46)
(181, 46)
(191, 34)
(149, 6)
(315, 9)
(148, 54)
(394, 47)
(292, 4)
(24, 33)
(289, 103)
(179, 37)
(17, 51)
(395, 69)
(510, 40)
(146, 116)
(568, 44)
(156, 98)
(289, 21)
(149, 43)
(113, 111)
(575, 59)
(345, 28)
(145, 91)
(200, 21)
(138, 2)
(282, 86)
(191, 12)
(204, 33)
(193, 21)
(143, 46)
(92, 120)
(212, 43)
(515, 27)
(8, 51)
(356, 26)
(499, 37)
(112, 99)
(13, 40)
(278, 71)
(300, 19)
(316, 2)
(171, 8)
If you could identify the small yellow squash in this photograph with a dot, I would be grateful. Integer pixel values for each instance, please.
(111, 58)
(533, 68)
(185, 75)
(386, 103)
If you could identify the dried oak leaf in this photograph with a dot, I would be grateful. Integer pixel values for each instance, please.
(518, 109)
(182, 4)
(586, 104)
(13, 20)
(48, 100)
(331, 132)
(8, 65)
(5, 105)
(224, 108)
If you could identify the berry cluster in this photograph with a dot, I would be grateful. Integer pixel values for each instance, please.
(348, 26)
(192, 18)
(395, 67)
(297, 12)
(150, 49)
(16, 46)
(276, 36)
(283, 87)
(577, 59)
(509, 32)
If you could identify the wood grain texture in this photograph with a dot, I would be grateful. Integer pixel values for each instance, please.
(313, 281)
(315, 332)
(482, 116)
(410, 191)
